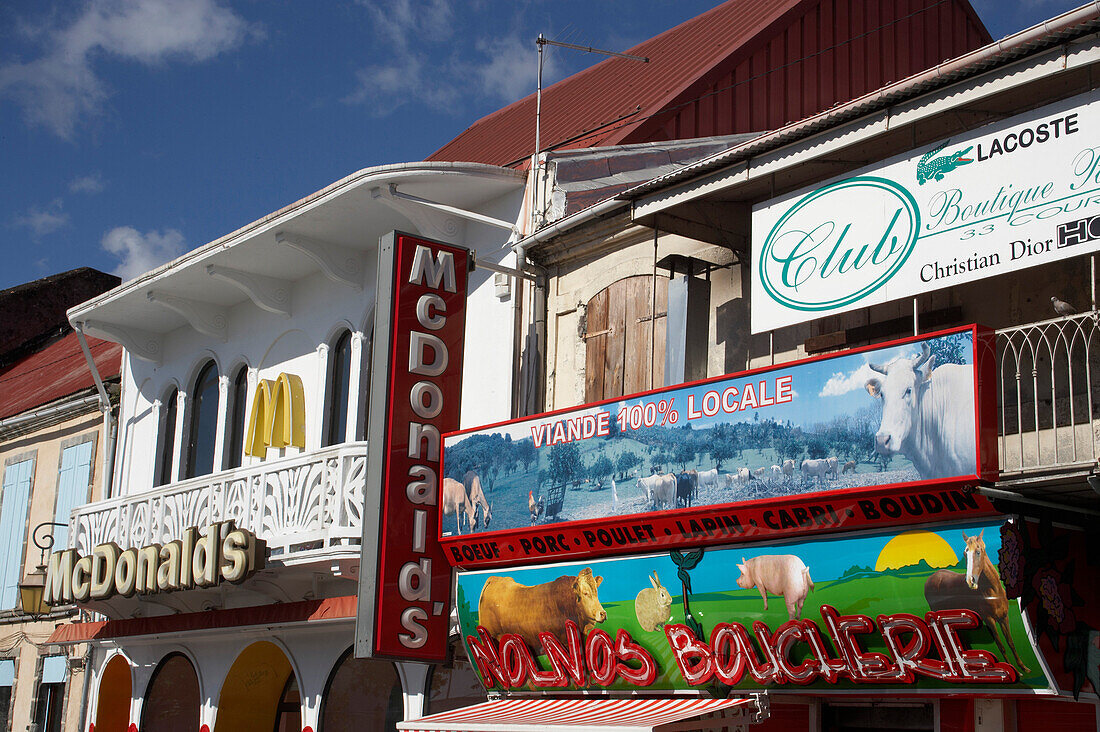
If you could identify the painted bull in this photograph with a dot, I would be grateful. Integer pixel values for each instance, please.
(925, 414)
(457, 502)
(506, 606)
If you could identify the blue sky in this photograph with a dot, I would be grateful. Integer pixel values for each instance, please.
(133, 130)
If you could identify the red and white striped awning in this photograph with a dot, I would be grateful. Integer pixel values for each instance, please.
(605, 715)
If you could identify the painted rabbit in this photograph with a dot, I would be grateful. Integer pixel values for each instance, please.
(653, 605)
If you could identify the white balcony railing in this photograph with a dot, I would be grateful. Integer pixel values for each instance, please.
(297, 504)
(1049, 394)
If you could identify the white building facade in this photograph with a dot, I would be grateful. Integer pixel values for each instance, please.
(288, 299)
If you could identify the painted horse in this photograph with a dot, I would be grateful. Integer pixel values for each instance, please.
(980, 590)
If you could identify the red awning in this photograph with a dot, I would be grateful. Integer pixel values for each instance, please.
(570, 715)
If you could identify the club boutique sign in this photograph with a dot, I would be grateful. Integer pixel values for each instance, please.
(224, 553)
(1020, 193)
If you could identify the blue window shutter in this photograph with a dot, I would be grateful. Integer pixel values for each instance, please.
(7, 672)
(73, 483)
(54, 670)
(13, 528)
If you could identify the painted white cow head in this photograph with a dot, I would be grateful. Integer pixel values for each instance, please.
(901, 388)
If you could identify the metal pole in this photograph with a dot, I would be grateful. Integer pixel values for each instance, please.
(538, 135)
(653, 314)
(916, 320)
(771, 346)
(1092, 268)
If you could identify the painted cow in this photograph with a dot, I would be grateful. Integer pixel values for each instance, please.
(832, 468)
(815, 470)
(744, 476)
(778, 574)
(788, 470)
(472, 484)
(658, 489)
(506, 606)
(708, 478)
(457, 502)
(926, 414)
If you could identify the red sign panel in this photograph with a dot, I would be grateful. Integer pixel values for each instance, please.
(888, 435)
(416, 383)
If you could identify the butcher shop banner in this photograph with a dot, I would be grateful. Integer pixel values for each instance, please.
(1017, 193)
(921, 610)
(890, 435)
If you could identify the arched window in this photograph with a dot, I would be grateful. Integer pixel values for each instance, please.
(172, 699)
(167, 445)
(361, 693)
(454, 685)
(238, 404)
(204, 422)
(339, 385)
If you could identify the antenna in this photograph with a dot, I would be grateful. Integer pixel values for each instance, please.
(544, 41)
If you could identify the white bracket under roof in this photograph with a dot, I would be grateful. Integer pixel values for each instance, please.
(267, 293)
(141, 343)
(210, 320)
(396, 195)
(428, 221)
(339, 263)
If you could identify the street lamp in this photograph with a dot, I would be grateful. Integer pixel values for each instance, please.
(33, 587)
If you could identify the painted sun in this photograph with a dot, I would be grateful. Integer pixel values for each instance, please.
(911, 547)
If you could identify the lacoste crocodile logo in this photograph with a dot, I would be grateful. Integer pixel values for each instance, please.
(929, 169)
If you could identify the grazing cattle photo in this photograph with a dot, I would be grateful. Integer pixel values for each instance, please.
(924, 414)
(659, 489)
(685, 488)
(849, 467)
(477, 497)
(815, 470)
(455, 501)
(778, 574)
(506, 606)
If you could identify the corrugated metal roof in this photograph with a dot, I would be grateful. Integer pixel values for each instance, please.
(53, 372)
(611, 98)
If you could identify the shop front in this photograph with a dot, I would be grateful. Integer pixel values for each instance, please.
(752, 542)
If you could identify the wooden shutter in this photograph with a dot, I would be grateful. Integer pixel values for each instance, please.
(13, 528)
(73, 482)
(624, 343)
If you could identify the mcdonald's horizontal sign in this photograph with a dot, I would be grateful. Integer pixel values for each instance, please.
(416, 380)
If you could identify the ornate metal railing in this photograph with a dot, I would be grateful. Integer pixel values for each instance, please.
(305, 503)
(1049, 394)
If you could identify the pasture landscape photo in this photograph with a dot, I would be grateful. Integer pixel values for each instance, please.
(873, 418)
(874, 575)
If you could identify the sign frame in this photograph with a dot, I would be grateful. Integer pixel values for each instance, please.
(404, 593)
(738, 521)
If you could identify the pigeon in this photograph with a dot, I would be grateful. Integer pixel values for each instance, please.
(1061, 307)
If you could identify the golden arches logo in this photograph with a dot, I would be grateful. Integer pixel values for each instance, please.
(278, 416)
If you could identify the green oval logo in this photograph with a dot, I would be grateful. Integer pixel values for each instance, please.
(839, 243)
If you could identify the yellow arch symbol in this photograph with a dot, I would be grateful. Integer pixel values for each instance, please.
(278, 415)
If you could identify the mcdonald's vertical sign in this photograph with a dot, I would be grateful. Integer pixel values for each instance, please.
(416, 380)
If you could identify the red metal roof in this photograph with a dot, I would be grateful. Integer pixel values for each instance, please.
(53, 372)
(744, 66)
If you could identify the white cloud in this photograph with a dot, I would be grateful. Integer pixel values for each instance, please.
(502, 67)
(43, 221)
(61, 87)
(841, 383)
(87, 184)
(138, 253)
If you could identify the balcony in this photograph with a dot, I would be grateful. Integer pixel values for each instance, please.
(306, 507)
(1049, 396)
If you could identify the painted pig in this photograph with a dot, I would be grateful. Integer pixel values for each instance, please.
(778, 574)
